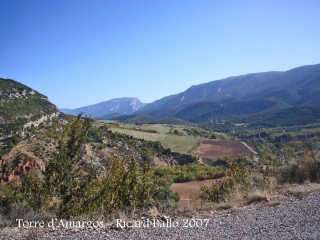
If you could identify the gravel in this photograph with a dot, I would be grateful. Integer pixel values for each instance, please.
(294, 220)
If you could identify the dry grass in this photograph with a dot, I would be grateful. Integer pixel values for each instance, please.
(258, 196)
(224, 206)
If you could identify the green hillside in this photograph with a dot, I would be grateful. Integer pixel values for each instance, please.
(255, 96)
(20, 104)
(205, 111)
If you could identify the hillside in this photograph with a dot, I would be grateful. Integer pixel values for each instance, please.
(116, 106)
(242, 95)
(145, 119)
(20, 105)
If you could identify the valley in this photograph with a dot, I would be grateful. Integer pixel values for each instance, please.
(159, 120)
(197, 149)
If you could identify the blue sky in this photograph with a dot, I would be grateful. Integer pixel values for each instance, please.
(84, 52)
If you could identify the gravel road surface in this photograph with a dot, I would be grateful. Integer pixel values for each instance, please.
(294, 220)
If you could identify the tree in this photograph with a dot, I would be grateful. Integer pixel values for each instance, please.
(15, 140)
(10, 144)
(63, 178)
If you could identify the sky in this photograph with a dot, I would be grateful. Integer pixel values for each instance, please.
(80, 52)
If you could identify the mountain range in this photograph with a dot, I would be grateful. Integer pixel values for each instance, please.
(259, 95)
(241, 95)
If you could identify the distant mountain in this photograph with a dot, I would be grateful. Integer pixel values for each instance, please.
(22, 106)
(116, 106)
(156, 104)
(241, 95)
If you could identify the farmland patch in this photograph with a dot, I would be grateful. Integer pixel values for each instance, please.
(182, 144)
(221, 148)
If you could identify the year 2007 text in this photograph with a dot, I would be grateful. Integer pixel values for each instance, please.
(192, 223)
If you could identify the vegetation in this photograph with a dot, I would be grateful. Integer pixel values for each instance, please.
(181, 144)
(177, 142)
(237, 178)
(303, 167)
(67, 189)
(287, 142)
(203, 133)
(205, 111)
(145, 119)
(306, 168)
(190, 172)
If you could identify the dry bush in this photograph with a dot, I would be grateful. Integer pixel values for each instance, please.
(263, 182)
(237, 179)
(22, 210)
(239, 187)
(218, 175)
(305, 168)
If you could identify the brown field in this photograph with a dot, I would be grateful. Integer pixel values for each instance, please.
(221, 148)
(189, 192)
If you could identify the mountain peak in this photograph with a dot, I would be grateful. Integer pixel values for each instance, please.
(125, 105)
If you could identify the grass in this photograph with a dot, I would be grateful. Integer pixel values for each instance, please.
(182, 144)
(258, 196)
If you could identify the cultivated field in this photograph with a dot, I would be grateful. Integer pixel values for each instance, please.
(189, 192)
(221, 148)
(142, 135)
(182, 144)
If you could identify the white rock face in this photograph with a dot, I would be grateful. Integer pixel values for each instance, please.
(40, 120)
(135, 104)
(117, 105)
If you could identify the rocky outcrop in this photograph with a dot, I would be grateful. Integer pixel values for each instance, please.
(31, 165)
(40, 120)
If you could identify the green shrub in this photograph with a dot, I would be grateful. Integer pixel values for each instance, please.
(190, 172)
(163, 192)
(8, 194)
